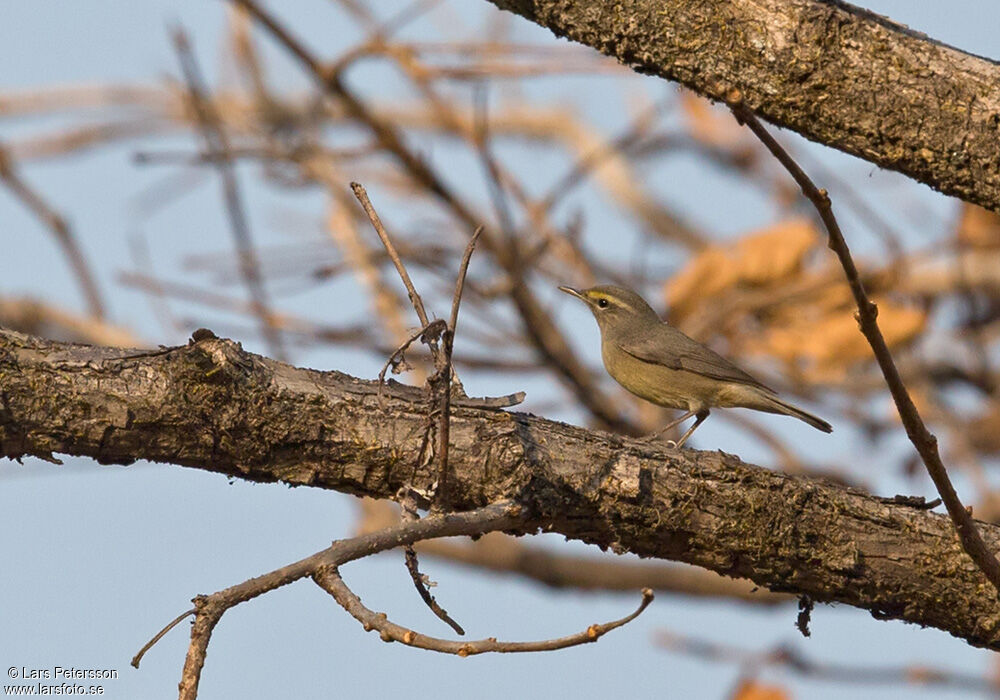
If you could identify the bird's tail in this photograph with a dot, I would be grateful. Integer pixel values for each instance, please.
(776, 405)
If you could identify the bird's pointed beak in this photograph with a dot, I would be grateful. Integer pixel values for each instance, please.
(573, 292)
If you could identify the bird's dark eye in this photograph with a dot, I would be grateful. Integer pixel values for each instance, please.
(603, 303)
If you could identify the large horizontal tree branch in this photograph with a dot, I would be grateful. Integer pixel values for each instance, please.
(835, 73)
(213, 406)
(502, 554)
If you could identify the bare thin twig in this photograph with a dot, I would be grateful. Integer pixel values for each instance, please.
(364, 261)
(408, 505)
(421, 584)
(418, 303)
(463, 268)
(329, 580)
(442, 356)
(867, 314)
(159, 635)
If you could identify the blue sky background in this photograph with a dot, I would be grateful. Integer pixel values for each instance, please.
(96, 559)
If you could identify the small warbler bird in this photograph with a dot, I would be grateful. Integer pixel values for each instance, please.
(658, 363)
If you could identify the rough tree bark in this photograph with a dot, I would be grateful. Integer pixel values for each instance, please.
(213, 406)
(835, 73)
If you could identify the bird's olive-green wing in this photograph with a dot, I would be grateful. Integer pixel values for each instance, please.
(667, 346)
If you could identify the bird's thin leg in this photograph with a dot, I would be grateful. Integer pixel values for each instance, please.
(670, 425)
(702, 415)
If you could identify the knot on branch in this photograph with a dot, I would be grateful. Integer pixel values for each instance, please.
(219, 360)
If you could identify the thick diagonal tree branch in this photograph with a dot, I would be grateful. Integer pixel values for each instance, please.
(213, 406)
(835, 73)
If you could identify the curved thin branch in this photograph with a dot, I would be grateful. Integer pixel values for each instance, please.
(159, 635)
(330, 581)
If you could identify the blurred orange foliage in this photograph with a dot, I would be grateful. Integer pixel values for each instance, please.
(771, 293)
(978, 227)
(758, 259)
(754, 690)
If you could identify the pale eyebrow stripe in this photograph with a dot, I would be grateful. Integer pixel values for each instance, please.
(617, 302)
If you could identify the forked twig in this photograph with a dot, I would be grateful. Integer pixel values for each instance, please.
(923, 440)
(323, 567)
(442, 379)
(429, 334)
(210, 609)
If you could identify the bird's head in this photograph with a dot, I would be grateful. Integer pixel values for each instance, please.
(615, 308)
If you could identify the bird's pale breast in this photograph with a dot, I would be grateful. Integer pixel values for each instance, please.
(658, 384)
